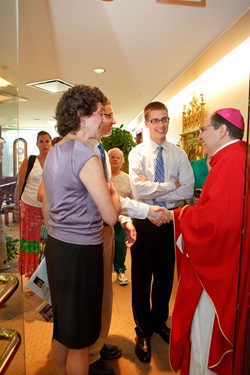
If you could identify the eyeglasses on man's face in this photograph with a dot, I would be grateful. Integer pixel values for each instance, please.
(164, 120)
(202, 128)
(109, 115)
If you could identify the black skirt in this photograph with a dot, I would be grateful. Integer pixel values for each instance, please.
(75, 274)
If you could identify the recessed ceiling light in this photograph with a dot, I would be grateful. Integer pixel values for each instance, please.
(99, 70)
(53, 86)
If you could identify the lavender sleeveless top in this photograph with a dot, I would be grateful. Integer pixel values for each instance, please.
(73, 215)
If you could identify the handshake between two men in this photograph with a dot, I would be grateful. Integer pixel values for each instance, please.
(156, 214)
(159, 215)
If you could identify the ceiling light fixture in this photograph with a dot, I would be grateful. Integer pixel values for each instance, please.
(99, 70)
(53, 86)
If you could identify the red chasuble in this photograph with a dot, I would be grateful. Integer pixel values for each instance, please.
(211, 233)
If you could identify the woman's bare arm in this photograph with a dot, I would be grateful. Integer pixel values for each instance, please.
(107, 200)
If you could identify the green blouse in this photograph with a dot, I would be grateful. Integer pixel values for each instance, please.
(200, 170)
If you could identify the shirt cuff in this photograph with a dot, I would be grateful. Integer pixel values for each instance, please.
(123, 219)
(134, 209)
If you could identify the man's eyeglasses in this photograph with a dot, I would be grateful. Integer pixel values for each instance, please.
(155, 121)
(202, 128)
(110, 115)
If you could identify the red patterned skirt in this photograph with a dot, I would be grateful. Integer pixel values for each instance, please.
(30, 224)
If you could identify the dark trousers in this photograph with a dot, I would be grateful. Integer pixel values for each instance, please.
(153, 258)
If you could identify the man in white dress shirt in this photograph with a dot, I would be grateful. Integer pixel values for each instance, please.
(160, 174)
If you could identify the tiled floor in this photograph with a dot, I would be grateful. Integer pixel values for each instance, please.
(20, 314)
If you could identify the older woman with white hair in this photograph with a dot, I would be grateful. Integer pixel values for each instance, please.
(122, 183)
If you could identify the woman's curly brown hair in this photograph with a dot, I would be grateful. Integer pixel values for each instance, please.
(78, 101)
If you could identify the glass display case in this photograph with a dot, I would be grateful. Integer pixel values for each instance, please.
(12, 344)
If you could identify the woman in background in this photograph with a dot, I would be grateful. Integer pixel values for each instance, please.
(200, 167)
(40, 196)
(30, 208)
(122, 184)
(78, 198)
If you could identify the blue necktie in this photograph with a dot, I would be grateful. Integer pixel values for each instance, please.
(159, 173)
(103, 157)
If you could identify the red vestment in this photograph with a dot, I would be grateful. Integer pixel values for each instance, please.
(211, 233)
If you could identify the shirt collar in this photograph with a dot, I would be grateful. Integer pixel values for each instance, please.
(153, 146)
(93, 142)
(227, 144)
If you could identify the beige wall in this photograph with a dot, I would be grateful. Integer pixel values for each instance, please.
(221, 74)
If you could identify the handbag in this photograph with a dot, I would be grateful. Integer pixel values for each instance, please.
(31, 162)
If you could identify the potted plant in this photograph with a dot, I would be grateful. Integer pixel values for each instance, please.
(122, 139)
(12, 246)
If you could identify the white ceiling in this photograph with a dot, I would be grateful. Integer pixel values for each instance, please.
(143, 44)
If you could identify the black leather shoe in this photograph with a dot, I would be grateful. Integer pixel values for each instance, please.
(164, 332)
(110, 352)
(143, 349)
(100, 367)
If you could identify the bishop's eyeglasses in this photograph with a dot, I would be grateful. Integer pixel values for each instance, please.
(202, 128)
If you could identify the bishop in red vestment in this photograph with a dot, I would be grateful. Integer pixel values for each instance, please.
(212, 260)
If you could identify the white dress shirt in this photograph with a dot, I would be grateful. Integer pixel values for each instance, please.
(129, 208)
(176, 168)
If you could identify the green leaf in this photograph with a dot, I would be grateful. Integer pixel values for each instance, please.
(122, 139)
(12, 246)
